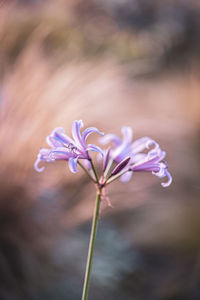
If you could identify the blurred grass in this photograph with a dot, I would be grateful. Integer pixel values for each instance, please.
(62, 39)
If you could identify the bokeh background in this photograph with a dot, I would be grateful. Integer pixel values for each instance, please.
(109, 63)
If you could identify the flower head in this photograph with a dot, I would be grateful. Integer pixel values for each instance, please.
(126, 147)
(153, 162)
(139, 160)
(64, 147)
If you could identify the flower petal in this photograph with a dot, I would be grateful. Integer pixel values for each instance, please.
(36, 167)
(52, 142)
(95, 148)
(138, 157)
(154, 156)
(165, 184)
(126, 176)
(121, 152)
(127, 134)
(63, 138)
(45, 155)
(58, 129)
(90, 130)
(63, 153)
(57, 138)
(73, 164)
(141, 144)
(76, 126)
(87, 164)
(151, 142)
(147, 167)
(162, 169)
(106, 159)
(110, 138)
(50, 138)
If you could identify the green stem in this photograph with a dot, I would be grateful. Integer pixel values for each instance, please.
(95, 173)
(112, 178)
(91, 246)
(86, 171)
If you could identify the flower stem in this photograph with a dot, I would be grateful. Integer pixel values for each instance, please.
(91, 246)
(86, 171)
(108, 167)
(94, 170)
(113, 178)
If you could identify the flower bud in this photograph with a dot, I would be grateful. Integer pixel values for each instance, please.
(121, 166)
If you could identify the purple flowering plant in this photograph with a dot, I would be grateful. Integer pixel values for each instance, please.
(120, 160)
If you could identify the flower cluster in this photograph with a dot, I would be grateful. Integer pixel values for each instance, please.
(65, 148)
(123, 158)
(152, 161)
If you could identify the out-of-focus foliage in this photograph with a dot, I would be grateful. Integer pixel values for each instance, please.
(110, 63)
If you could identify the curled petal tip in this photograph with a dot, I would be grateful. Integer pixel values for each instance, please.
(166, 184)
(73, 171)
(73, 164)
(151, 142)
(76, 126)
(80, 122)
(36, 167)
(90, 130)
(95, 148)
(58, 129)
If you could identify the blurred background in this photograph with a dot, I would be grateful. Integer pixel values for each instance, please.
(109, 63)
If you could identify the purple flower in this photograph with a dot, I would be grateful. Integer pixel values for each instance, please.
(65, 148)
(139, 161)
(153, 162)
(125, 147)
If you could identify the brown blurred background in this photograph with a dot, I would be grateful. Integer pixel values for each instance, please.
(109, 63)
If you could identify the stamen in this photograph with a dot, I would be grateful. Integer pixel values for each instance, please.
(71, 147)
